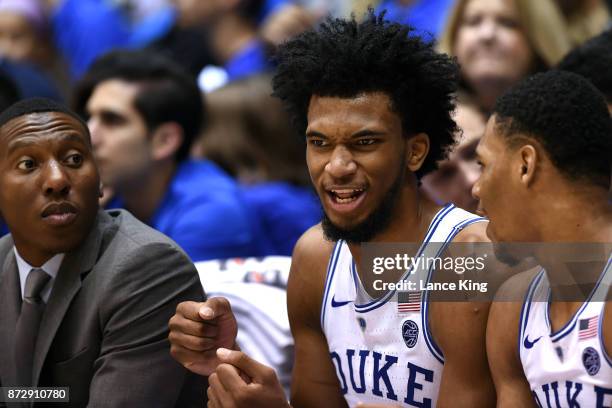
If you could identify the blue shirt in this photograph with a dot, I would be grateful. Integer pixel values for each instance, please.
(286, 211)
(426, 16)
(204, 213)
(250, 60)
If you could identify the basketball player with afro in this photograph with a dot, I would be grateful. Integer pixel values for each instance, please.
(374, 102)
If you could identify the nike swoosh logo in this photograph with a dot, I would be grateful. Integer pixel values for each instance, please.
(338, 304)
(529, 344)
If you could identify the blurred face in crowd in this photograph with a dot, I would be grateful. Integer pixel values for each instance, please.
(490, 43)
(455, 177)
(49, 183)
(356, 158)
(119, 134)
(18, 37)
(194, 13)
(499, 189)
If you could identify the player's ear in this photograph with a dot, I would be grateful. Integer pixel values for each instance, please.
(417, 148)
(166, 140)
(528, 161)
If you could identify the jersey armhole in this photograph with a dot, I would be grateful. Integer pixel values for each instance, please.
(526, 307)
(604, 351)
(433, 347)
(331, 268)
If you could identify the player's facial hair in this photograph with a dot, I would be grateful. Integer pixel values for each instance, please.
(375, 223)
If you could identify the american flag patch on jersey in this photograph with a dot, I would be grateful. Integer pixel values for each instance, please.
(587, 328)
(408, 301)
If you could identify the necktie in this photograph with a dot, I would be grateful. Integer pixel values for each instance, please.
(32, 309)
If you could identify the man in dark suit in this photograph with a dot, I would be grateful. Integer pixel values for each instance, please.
(85, 295)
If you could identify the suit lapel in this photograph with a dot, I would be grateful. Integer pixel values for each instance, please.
(65, 288)
(10, 305)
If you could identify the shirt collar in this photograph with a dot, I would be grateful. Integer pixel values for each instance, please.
(51, 267)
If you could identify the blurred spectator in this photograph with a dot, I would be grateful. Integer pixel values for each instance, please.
(250, 136)
(9, 94)
(86, 29)
(231, 30)
(22, 28)
(30, 81)
(593, 60)
(287, 21)
(426, 16)
(186, 47)
(24, 39)
(452, 182)
(585, 18)
(144, 112)
(500, 42)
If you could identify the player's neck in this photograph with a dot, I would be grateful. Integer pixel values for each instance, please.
(580, 214)
(577, 221)
(409, 224)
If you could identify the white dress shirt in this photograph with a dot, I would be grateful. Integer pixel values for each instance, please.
(51, 267)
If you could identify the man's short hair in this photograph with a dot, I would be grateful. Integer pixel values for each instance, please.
(345, 58)
(168, 93)
(37, 105)
(593, 60)
(568, 116)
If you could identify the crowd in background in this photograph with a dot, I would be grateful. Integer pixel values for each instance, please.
(240, 145)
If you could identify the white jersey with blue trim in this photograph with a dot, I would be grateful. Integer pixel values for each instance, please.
(384, 353)
(569, 368)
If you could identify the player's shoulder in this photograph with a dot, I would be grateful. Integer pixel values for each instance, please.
(474, 232)
(515, 288)
(313, 248)
(309, 262)
(307, 277)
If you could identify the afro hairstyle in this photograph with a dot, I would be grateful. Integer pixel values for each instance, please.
(344, 58)
(568, 116)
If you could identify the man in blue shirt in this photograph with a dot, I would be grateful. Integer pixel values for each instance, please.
(143, 113)
(230, 28)
(426, 16)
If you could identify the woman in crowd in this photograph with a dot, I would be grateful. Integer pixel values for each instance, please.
(499, 42)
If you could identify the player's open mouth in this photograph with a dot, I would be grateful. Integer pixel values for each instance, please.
(345, 199)
(345, 196)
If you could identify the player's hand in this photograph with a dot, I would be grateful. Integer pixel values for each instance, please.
(197, 330)
(228, 389)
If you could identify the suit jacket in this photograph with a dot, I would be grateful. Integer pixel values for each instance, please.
(104, 332)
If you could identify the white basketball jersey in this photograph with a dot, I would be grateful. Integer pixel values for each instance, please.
(569, 368)
(257, 290)
(382, 350)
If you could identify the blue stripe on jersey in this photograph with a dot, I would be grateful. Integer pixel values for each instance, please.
(436, 351)
(569, 326)
(600, 335)
(331, 267)
(432, 228)
(527, 306)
